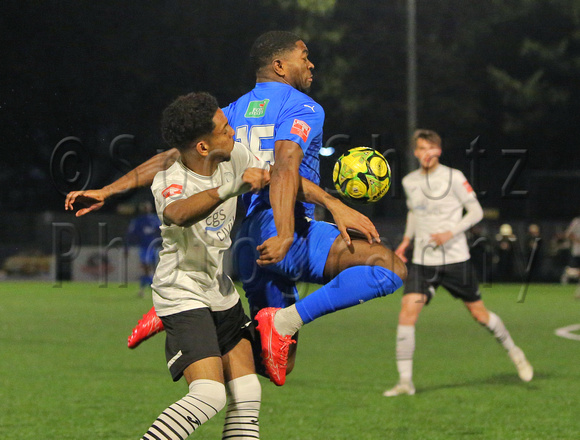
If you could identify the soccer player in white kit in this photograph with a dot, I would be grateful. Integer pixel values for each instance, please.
(208, 336)
(436, 198)
(573, 234)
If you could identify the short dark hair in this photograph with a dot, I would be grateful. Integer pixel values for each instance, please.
(269, 45)
(188, 118)
(428, 135)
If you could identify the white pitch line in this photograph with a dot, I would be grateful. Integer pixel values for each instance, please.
(566, 332)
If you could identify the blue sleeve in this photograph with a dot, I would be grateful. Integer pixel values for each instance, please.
(302, 124)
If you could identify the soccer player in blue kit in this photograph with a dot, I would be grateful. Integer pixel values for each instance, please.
(279, 242)
(144, 231)
(277, 121)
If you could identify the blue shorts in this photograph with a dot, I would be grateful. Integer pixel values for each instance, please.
(275, 285)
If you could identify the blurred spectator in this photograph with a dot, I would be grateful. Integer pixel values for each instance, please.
(532, 241)
(505, 254)
(144, 232)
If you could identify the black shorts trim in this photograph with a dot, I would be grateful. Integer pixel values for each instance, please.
(459, 279)
(200, 333)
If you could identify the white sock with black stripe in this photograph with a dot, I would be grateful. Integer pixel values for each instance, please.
(205, 399)
(497, 327)
(244, 397)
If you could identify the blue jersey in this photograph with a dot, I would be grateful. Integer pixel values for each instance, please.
(144, 229)
(271, 112)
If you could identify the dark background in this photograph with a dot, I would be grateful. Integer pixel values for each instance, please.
(505, 73)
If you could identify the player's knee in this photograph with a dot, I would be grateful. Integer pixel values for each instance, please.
(480, 317)
(390, 261)
(211, 392)
(399, 268)
(478, 312)
(411, 306)
(246, 389)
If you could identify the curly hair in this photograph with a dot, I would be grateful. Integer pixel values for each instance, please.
(269, 45)
(188, 118)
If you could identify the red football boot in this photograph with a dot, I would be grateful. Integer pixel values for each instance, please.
(274, 346)
(148, 326)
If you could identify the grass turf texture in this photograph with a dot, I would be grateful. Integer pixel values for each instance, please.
(65, 371)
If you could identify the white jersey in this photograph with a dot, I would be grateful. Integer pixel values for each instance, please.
(574, 228)
(190, 270)
(436, 200)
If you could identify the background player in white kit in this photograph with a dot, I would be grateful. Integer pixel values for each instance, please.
(208, 339)
(436, 198)
(573, 234)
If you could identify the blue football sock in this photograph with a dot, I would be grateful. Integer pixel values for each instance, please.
(349, 288)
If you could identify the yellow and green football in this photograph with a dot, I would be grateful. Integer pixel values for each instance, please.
(362, 175)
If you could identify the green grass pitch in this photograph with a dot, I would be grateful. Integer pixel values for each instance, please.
(65, 371)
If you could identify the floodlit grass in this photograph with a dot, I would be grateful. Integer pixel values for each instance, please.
(65, 371)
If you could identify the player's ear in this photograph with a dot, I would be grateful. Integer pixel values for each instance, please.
(278, 67)
(202, 148)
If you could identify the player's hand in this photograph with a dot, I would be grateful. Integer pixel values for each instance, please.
(257, 178)
(93, 199)
(441, 238)
(400, 251)
(345, 217)
(273, 250)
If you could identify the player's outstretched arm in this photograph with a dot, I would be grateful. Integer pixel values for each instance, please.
(188, 211)
(344, 216)
(143, 175)
(283, 189)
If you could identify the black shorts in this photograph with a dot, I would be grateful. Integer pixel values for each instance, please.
(200, 333)
(459, 279)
